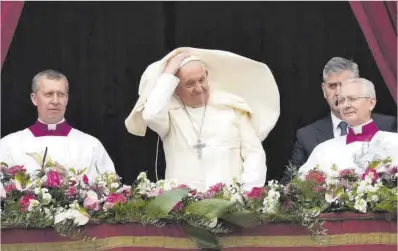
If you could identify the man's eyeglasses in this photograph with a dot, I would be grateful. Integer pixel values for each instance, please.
(350, 99)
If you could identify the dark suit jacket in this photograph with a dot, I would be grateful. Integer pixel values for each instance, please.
(308, 137)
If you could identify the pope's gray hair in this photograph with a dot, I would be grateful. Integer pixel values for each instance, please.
(368, 87)
(339, 64)
(49, 74)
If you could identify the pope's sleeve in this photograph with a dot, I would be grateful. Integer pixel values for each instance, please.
(252, 153)
(155, 113)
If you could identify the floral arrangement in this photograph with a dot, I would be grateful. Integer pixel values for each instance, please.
(68, 199)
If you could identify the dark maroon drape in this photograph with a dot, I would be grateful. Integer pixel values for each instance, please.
(10, 12)
(378, 21)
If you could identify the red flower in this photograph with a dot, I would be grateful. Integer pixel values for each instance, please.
(116, 198)
(85, 179)
(126, 192)
(393, 170)
(288, 204)
(54, 179)
(216, 188)
(347, 172)
(316, 176)
(72, 192)
(183, 186)
(178, 206)
(10, 187)
(372, 173)
(193, 192)
(16, 169)
(255, 193)
(25, 202)
(72, 183)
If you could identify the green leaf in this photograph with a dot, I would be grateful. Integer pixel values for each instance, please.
(244, 219)
(203, 238)
(324, 206)
(161, 205)
(72, 171)
(83, 171)
(37, 157)
(22, 181)
(209, 209)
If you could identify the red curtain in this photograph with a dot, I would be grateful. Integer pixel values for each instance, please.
(10, 12)
(378, 21)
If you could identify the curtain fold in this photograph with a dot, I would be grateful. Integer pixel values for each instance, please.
(378, 21)
(10, 13)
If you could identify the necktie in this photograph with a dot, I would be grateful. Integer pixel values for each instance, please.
(343, 128)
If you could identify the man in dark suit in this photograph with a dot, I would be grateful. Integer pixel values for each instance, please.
(308, 137)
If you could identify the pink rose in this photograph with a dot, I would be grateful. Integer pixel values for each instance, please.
(116, 198)
(372, 173)
(255, 193)
(16, 169)
(54, 179)
(25, 202)
(316, 176)
(113, 199)
(91, 201)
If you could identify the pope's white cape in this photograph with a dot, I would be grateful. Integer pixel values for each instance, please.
(250, 80)
(232, 150)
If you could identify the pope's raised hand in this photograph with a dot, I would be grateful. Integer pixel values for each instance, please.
(174, 63)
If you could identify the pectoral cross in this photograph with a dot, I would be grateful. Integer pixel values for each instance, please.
(199, 146)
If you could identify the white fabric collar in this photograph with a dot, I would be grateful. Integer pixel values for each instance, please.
(51, 126)
(358, 129)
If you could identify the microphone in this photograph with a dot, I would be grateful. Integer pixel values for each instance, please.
(44, 158)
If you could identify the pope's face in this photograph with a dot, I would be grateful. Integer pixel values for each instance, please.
(51, 99)
(331, 87)
(193, 88)
(355, 106)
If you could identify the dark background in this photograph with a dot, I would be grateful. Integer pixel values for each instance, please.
(103, 48)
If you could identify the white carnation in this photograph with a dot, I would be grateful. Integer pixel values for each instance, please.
(33, 204)
(360, 204)
(373, 198)
(115, 185)
(142, 176)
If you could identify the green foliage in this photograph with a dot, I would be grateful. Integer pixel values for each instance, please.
(209, 209)
(160, 206)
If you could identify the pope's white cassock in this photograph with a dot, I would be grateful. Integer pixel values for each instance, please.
(230, 144)
(355, 150)
(69, 147)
